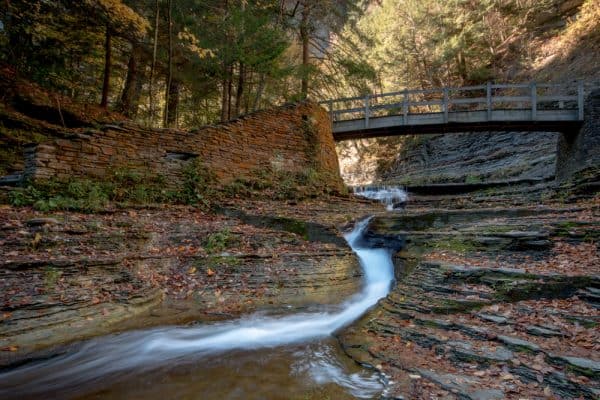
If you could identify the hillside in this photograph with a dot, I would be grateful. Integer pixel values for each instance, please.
(561, 45)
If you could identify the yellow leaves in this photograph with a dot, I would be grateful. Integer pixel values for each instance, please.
(120, 16)
(36, 240)
(192, 43)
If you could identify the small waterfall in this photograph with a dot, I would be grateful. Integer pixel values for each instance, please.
(394, 197)
(142, 350)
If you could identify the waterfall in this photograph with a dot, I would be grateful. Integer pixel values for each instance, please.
(394, 197)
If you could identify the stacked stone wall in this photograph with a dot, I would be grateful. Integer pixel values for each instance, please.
(293, 138)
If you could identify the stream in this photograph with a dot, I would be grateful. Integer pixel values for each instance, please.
(256, 357)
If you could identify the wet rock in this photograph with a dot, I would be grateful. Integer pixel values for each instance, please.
(583, 366)
(392, 397)
(558, 381)
(42, 221)
(465, 351)
(541, 331)
(590, 294)
(374, 240)
(487, 394)
(497, 319)
(518, 344)
(462, 385)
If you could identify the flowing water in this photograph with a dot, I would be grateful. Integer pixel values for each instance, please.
(256, 357)
(394, 197)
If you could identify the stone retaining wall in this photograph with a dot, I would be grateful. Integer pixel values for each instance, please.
(293, 138)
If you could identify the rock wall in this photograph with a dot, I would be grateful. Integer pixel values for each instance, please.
(293, 138)
(474, 157)
(580, 150)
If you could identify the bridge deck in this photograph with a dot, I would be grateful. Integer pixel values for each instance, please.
(503, 107)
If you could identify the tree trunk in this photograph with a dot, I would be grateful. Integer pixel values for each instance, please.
(130, 94)
(153, 68)
(137, 92)
(229, 91)
(239, 93)
(107, 62)
(259, 91)
(224, 93)
(304, 38)
(226, 82)
(173, 103)
(167, 113)
(462, 66)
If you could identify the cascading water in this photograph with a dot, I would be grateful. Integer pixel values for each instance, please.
(138, 351)
(394, 197)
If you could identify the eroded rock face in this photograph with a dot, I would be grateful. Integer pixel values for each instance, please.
(475, 157)
(483, 309)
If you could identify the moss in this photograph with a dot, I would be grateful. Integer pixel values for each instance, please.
(585, 322)
(531, 288)
(473, 179)
(449, 306)
(277, 183)
(122, 187)
(293, 225)
(220, 262)
(490, 230)
(218, 241)
(454, 244)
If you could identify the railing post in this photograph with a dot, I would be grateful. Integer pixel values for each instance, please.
(445, 105)
(330, 104)
(580, 100)
(533, 101)
(367, 111)
(488, 97)
(405, 107)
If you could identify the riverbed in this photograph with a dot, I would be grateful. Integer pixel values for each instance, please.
(258, 356)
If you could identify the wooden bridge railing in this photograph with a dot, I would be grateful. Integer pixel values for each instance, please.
(490, 97)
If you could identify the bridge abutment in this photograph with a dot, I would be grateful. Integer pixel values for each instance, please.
(580, 149)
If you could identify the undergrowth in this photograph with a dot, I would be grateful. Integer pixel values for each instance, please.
(121, 187)
(198, 187)
(279, 184)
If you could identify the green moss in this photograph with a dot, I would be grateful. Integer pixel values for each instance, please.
(449, 306)
(219, 263)
(51, 277)
(473, 179)
(218, 241)
(279, 184)
(455, 244)
(583, 321)
(122, 187)
(293, 225)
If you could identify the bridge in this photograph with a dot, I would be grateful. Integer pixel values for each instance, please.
(490, 107)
